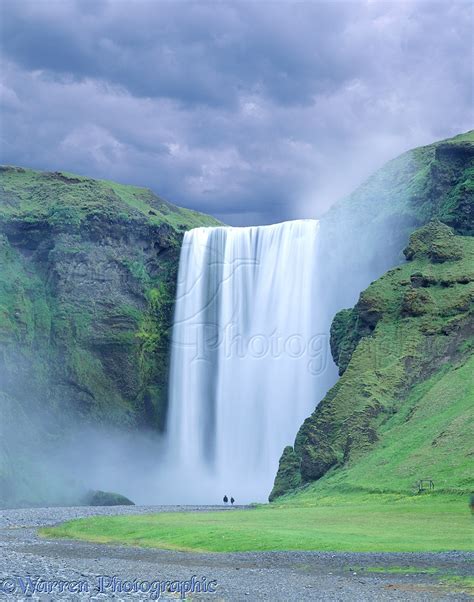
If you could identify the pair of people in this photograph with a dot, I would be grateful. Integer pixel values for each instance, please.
(226, 499)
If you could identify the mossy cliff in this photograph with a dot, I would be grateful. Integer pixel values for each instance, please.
(88, 274)
(364, 234)
(403, 407)
(404, 352)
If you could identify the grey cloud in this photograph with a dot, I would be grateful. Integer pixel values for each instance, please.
(191, 52)
(253, 112)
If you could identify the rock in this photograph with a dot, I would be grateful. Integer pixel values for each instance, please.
(313, 446)
(416, 302)
(343, 338)
(106, 498)
(436, 241)
(419, 279)
(288, 476)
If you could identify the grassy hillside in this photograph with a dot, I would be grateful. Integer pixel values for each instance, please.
(429, 437)
(68, 199)
(88, 275)
(403, 408)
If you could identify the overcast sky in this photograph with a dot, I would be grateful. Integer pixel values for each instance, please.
(254, 112)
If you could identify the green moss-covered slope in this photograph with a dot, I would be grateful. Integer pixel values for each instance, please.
(364, 234)
(60, 198)
(436, 180)
(403, 408)
(379, 345)
(88, 272)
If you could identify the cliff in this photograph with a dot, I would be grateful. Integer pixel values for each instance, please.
(86, 297)
(364, 234)
(402, 408)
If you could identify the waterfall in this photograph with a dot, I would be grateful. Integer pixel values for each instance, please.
(248, 360)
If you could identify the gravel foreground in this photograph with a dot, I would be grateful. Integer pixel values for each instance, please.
(271, 576)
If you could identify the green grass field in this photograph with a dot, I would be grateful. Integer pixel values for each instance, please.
(355, 522)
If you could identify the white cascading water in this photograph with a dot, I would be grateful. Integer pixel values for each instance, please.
(247, 357)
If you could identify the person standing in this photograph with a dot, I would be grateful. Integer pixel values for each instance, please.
(226, 499)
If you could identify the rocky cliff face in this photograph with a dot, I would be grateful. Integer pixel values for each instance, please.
(86, 298)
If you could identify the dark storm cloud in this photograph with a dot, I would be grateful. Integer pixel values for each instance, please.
(189, 52)
(256, 112)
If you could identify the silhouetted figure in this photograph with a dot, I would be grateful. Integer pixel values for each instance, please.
(226, 499)
(232, 501)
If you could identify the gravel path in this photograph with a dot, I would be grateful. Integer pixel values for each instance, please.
(271, 576)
